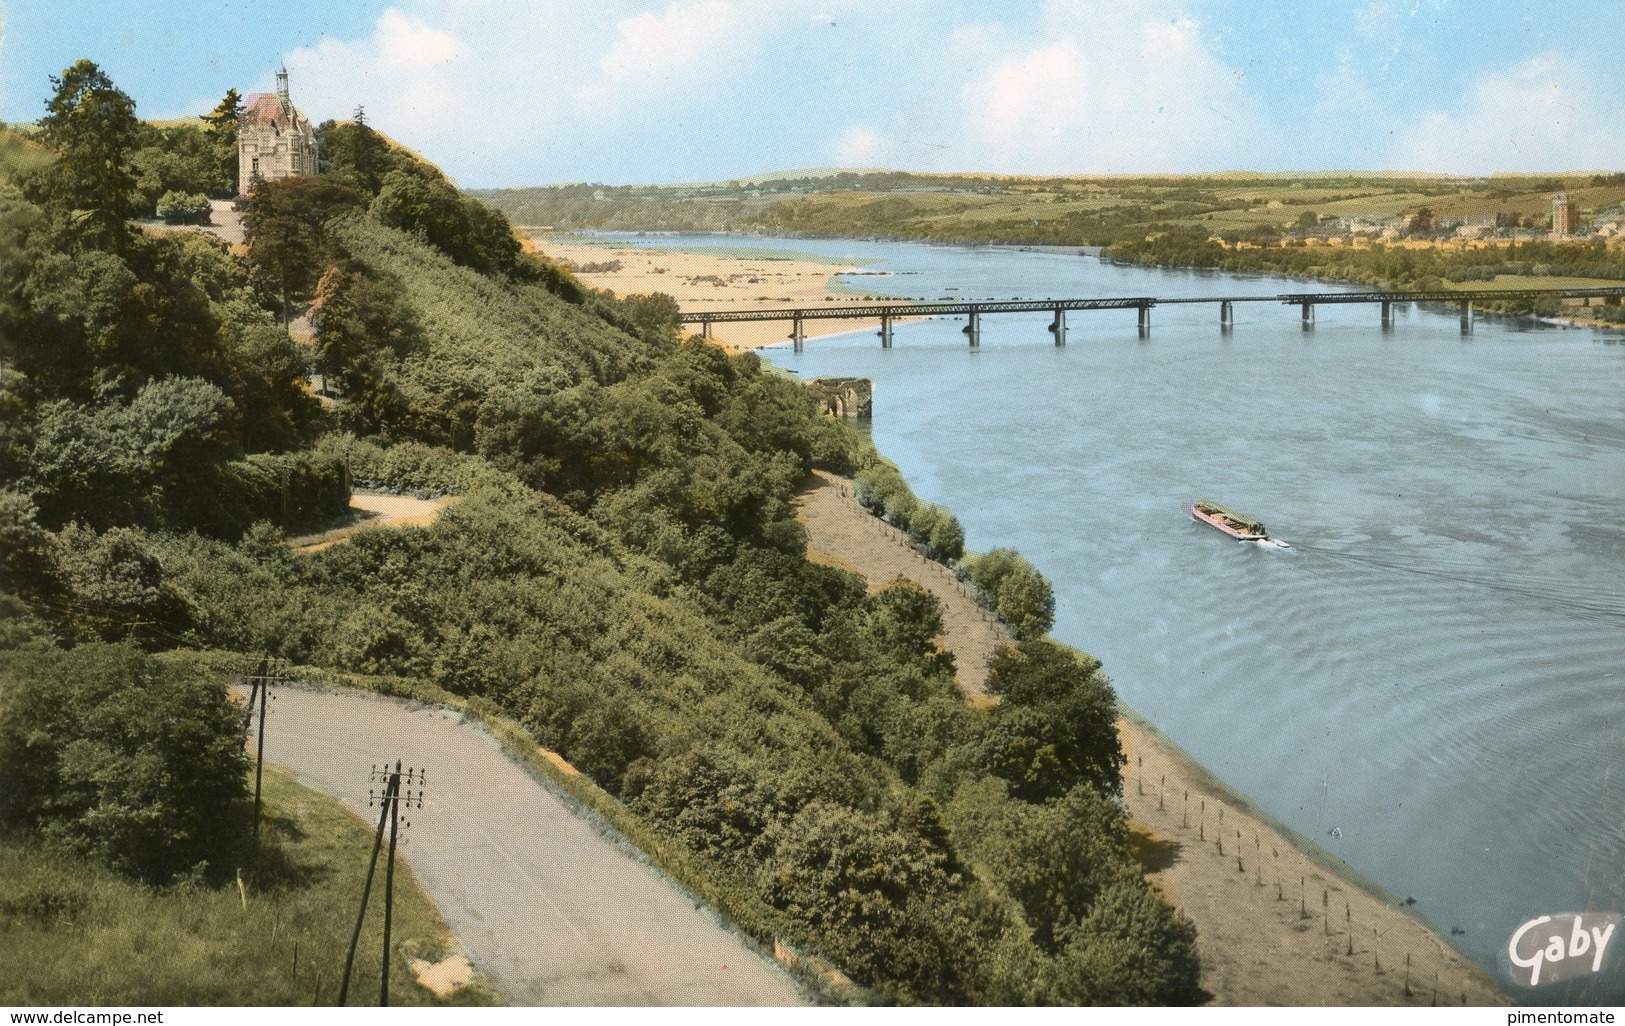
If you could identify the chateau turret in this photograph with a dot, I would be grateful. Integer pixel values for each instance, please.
(274, 140)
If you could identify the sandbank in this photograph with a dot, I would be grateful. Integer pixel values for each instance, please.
(708, 282)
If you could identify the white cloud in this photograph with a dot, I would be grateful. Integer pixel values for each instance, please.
(651, 46)
(1111, 89)
(501, 92)
(1545, 114)
(407, 42)
(860, 147)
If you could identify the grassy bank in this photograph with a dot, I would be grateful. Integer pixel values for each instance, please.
(74, 933)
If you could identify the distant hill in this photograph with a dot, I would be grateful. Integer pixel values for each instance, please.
(1081, 210)
(19, 153)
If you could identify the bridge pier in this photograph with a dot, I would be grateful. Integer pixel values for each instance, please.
(885, 332)
(1467, 317)
(1057, 327)
(1308, 316)
(1388, 314)
(705, 329)
(973, 328)
(1227, 315)
(797, 333)
(1145, 319)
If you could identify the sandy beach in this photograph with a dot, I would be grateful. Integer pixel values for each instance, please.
(706, 282)
(1275, 924)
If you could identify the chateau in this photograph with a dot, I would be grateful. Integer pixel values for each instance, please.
(274, 140)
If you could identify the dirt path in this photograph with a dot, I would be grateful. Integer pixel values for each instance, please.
(843, 533)
(550, 910)
(1257, 947)
(376, 510)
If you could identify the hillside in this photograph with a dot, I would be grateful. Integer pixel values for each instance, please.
(623, 575)
(1084, 211)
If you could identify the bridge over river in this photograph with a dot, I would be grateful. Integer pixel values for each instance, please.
(973, 311)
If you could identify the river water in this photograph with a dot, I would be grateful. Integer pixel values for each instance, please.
(1430, 683)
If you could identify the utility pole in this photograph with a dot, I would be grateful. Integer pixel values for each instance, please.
(366, 889)
(397, 788)
(265, 675)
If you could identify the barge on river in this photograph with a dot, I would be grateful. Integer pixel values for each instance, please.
(1236, 525)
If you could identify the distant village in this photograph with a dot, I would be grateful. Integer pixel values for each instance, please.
(1422, 230)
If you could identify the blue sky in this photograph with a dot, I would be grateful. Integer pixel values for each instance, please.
(521, 92)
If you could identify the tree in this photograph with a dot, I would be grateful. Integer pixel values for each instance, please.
(110, 754)
(222, 122)
(1132, 949)
(882, 902)
(1057, 725)
(108, 586)
(122, 463)
(226, 113)
(354, 153)
(1020, 595)
(93, 128)
(359, 336)
(1056, 857)
(285, 227)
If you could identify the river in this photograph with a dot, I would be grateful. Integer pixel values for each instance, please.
(1430, 683)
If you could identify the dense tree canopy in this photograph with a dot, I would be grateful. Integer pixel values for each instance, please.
(109, 754)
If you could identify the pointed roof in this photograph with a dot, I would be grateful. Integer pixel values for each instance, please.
(266, 109)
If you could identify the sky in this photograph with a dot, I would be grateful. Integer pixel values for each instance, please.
(533, 92)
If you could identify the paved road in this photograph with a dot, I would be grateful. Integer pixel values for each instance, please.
(549, 909)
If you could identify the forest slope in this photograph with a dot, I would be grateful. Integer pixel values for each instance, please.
(623, 574)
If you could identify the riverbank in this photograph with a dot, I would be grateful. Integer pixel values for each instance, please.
(707, 282)
(1276, 923)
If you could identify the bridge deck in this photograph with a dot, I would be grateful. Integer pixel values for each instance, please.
(911, 308)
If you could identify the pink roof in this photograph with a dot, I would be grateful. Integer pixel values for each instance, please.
(265, 109)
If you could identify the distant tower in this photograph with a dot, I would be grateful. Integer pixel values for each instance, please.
(274, 140)
(1562, 218)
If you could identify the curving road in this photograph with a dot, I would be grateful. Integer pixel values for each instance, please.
(550, 910)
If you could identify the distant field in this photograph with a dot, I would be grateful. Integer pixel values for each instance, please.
(1530, 281)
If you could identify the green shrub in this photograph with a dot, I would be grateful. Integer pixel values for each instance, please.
(111, 755)
(1014, 589)
(292, 490)
(184, 208)
(882, 491)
